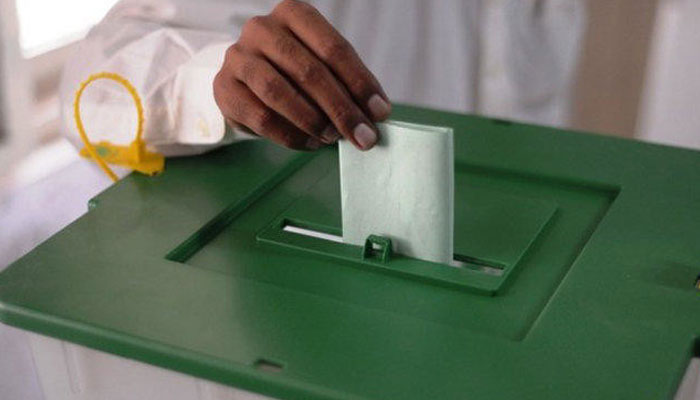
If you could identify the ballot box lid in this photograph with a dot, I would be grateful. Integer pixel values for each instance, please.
(576, 273)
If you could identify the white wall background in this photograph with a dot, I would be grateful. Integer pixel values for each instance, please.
(670, 109)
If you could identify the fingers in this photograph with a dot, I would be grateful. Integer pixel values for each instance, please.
(238, 103)
(277, 93)
(293, 78)
(313, 77)
(335, 51)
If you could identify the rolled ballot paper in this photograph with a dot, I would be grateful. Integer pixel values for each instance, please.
(401, 189)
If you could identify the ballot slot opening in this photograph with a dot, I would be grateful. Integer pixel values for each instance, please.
(479, 265)
(287, 226)
(459, 260)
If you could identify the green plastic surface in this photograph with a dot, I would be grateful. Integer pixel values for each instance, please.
(580, 256)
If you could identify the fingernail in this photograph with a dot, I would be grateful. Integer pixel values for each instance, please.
(379, 107)
(313, 144)
(365, 136)
(330, 135)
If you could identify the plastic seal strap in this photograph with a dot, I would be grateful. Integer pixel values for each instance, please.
(135, 155)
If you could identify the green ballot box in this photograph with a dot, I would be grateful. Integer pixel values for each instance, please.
(576, 277)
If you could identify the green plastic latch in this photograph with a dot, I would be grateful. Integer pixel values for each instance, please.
(377, 245)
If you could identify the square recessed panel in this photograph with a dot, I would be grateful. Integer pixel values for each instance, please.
(492, 227)
(529, 226)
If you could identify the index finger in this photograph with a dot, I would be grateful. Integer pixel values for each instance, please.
(334, 50)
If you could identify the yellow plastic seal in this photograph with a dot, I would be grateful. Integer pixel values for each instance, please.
(135, 155)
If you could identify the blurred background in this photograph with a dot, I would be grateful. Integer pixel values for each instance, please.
(637, 77)
(36, 38)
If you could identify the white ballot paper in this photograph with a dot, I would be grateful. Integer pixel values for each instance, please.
(402, 189)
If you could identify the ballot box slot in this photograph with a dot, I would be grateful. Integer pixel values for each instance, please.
(466, 272)
(483, 266)
(299, 230)
(480, 265)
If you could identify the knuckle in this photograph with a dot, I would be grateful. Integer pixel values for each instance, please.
(298, 10)
(310, 73)
(272, 88)
(254, 24)
(256, 21)
(263, 119)
(361, 87)
(248, 70)
(239, 110)
(233, 51)
(288, 5)
(222, 88)
(342, 114)
(218, 78)
(229, 53)
(335, 50)
(286, 45)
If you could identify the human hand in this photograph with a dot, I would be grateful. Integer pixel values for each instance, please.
(292, 78)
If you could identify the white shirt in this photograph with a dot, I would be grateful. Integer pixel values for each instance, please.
(506, 58)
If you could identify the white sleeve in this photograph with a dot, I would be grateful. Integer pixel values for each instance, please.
(544, 42)
(529, 58)
(170, 50)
